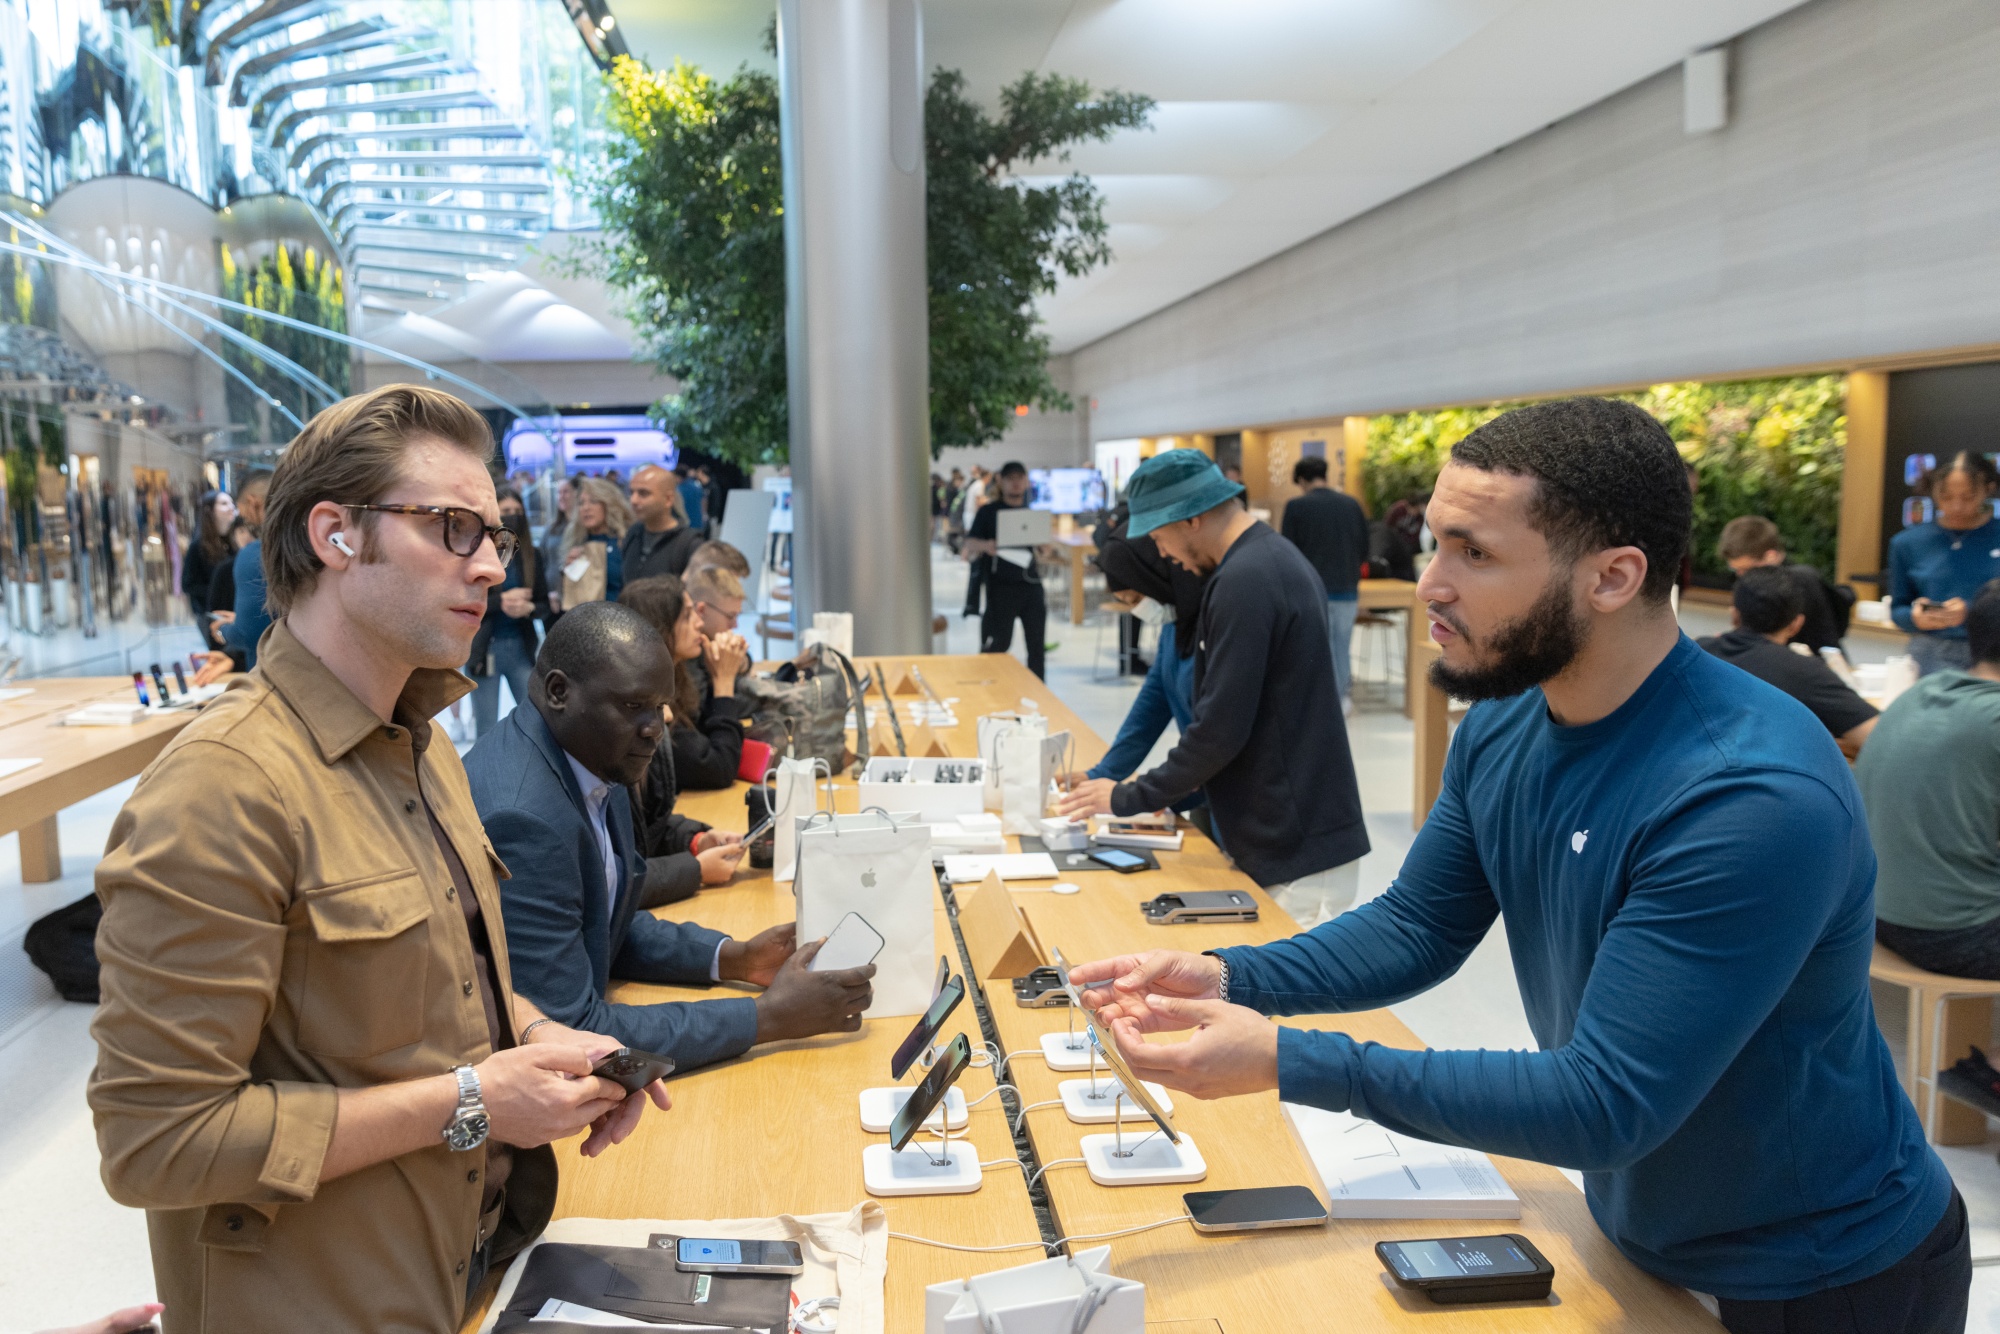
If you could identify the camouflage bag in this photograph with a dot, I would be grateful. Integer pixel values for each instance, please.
(801, 709)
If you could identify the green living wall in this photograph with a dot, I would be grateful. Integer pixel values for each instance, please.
(1770, 447)
(298, 283)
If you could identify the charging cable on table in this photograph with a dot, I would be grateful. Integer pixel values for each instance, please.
(1057, 1244)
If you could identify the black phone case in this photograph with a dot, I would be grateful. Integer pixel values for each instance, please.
(640, 1281)
(632, 1069)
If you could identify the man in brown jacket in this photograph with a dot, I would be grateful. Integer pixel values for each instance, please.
(313, 1073)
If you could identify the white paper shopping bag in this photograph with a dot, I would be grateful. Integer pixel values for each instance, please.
(1027, 764)
(794, 795)
(868, 864)
(993, 726)
(834, 628)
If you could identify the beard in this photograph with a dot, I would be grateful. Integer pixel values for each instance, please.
(1521, 653)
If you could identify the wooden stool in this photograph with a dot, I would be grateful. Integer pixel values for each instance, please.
(1947, 1016)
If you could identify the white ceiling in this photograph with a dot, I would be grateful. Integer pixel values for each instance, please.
(1278, 119)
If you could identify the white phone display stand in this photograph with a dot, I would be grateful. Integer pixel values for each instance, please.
(1068, 1051)
(879, 1107)
(1046, 1297)
(921, 1169)
(1145, 1158)
(1088, 1101)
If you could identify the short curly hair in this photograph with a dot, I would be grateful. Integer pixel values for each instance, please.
(1607, 475)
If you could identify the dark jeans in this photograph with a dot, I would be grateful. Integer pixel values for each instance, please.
(1925, 1292)
(1007, 603)
(1972, 951)
(513, 662)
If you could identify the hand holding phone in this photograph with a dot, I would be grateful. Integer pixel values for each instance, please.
(852, 944)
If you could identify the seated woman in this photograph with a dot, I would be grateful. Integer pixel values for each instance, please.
(1159, 593)
(1930, 777)
(682, 854)
(707, 734)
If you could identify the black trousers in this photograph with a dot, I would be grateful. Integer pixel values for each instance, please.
(1971, 952)
(1925, 1292)
(1007, 602)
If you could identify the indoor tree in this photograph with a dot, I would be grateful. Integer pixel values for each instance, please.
(690, 196)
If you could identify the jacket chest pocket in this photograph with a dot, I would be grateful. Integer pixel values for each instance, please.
(367, 967)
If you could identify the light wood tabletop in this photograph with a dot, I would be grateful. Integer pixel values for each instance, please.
(75, 762)
(777, 1130)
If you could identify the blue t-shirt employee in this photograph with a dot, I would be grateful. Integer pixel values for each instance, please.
(1936, 568)
(1684, 866)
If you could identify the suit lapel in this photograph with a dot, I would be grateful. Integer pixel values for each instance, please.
(596, 894)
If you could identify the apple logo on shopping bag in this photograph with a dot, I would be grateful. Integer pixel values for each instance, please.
(868, 879)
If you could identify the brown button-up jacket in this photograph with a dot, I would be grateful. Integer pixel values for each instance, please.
(279, 923)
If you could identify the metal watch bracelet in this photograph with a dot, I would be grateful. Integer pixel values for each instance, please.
(1222, 981)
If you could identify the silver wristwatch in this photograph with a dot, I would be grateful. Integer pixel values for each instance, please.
(467, 1127)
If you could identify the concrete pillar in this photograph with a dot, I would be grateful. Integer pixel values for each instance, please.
(857, 318)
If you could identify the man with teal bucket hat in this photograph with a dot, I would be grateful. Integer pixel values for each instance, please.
(1267, 741)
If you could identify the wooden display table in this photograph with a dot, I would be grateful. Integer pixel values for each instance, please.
(1076, 550)
(777, 1131)
(76, 762)
(1400, 595)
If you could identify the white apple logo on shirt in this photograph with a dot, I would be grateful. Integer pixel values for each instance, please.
(1578, 839)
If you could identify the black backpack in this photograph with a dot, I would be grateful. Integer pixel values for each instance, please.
(64, 945)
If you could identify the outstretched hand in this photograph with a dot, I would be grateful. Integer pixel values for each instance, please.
(1233, 1049)
(1122, 988)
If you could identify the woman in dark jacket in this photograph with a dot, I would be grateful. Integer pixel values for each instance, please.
(683, 854)
(210, 549)
(504, 648)
(707, 732)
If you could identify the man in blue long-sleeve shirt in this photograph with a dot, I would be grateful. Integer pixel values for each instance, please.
(1684, 866)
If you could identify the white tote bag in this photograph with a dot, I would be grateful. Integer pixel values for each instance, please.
(993, 726)
(793, 797)
(868, 864)
(1027, 765)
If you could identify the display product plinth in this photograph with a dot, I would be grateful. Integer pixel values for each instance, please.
(1090, 1102)
(1066, 1051)
(1139, 1159)
(880, 1105)
(923, 1169)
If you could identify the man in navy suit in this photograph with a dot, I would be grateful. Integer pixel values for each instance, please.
(551, 782)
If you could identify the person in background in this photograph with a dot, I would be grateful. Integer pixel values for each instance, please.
(1267, 743)
(1936, 567)
(694, 504)
(1158, 593)
(977, 492)
(1750, 541)
(706, 734)
(721, 556)
(1330, 530)
(601, 514)
(1685, 873)
(552, 784)
(1404, 535)
(1767, 608)
(662, 539)
(313, 1071)
(210, 550)
(1931, 780)
(954, 515)
(222, 593)
(717, 595)
(504, 648)
(248, 616)
(552, 546)
(1013, 592)
(1233, 472)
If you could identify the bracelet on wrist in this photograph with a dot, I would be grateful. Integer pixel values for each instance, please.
(532, 1027)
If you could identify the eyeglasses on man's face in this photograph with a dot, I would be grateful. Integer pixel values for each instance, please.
(461, 529)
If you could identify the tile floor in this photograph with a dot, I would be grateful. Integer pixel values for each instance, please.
(73, 1253)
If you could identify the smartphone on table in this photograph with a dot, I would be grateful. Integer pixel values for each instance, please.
(1254, 1209)
(924, 1099)
(722, 1255)
(1117, 859)
(1450, 1270)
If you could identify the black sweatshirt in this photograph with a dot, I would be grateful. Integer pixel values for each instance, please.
(1328, 527)
(1268, 743)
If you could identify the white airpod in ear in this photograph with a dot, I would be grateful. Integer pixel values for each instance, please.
(339, 541)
